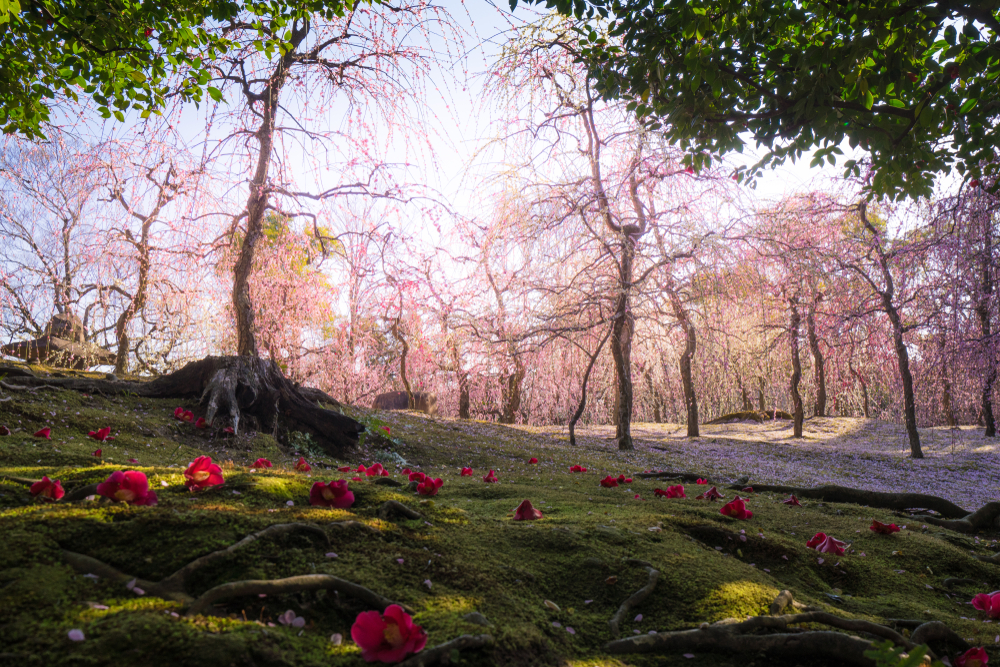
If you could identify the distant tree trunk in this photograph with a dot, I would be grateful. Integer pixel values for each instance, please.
(947, 407)
(511, 393)
(985, 327)
(398, 335)
(744, 395)
(818, 361)
(864, 388)
(793, 335)
(463, 381)
(657, 414)
(690, 346)
(582, 405)
(760, 394)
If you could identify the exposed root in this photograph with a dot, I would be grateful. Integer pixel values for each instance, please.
(440, 652)
(79, 494)
(344, 525)
(17, 387)
(784, 600)
(951, 582)
(683, 476)
(833, 493)
(87, 565)
(983, 518)
(390, 507)
(937, 633)
(306, 582)
(634, 600)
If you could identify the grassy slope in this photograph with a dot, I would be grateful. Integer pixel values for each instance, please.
(473, 555)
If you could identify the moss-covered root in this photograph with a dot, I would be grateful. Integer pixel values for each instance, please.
(983, 518)
(636, 598)
(442, 652)
(392, 507)
(740, 638)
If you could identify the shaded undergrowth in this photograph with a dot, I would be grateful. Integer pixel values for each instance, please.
(465, 554)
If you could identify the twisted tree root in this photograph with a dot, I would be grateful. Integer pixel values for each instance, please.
(395, 507)
(636, 598)
(80, 493)
(306, 582)
(344, 525)
(434, 655)
(936, 631)
(173, 587)
(784, 600)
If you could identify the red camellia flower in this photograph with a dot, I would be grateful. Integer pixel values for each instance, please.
(525, 512)
(202, 473)
(201, 423)
(823, 543)
(490, 478)
(376, 471)
(147, 32)
(183, 415)
(532, 460)
(609, 482)
(792, 500)
(101, 434)
(333, 494)
(357, 479)
(302, 466)
(748, 489)
(97, 452)
(972, 184)
(361, 468)
(429, 487)
(974, 657)
(262, 463)
(130, 486)
(47, 489)
(701, 481)
(577, 469)
(676, 491)
(387, 638)
(405, 471)
(883, 528)
(417, 477)
(711, 494)
(387, 430)
(344, 469)
(44, 433)
(989, 603)
(134, 461)
(737, 509)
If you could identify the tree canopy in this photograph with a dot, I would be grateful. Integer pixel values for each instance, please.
(124, 53)
(912, 82)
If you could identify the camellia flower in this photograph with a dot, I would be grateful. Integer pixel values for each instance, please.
(609, 482)
(47, 489)
(974, 657)
(748, 489)
(97, 453)
(361, 468)
(429, 487)
(737, 509)
(44, 433)
(202, 473)
(404, 471)
(183, 415)
(792, 500)
(4, 430)
(101, 434)
(134, 461)
(525, 512)
(417, 476)
(229, 430)
(357, 479)
(989, 603)
(701, 481)
(344, 468)
(577, 469)
(333, 494)
(532, 460)
(201, 423)
(387, 430)
(490, 478)
(130, 486)
(622, 479)
(711, 494)
(825, 544)
(466, 472)
(388, 637)
(376, 471)
(676, 491)
(302, 466)
(262, 463)
(883, 528)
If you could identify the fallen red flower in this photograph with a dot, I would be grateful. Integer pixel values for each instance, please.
(97, 452)
(825, 544)
(302, 466)
(344, 468)
(262, 463)
(466, 472)
(737, 509)
(4, 430)
(532, 460)
(44, 433)
(701, 481)
(676, 491)
(883, 528)
(387, 430)
(183, 415)
(101, 434)
(525, 512)
(417, 476)
(609, 482)
(376, 471)
(747, 489)
(577, 469)
(387, 638)
(357, 479)
(130, 486)
(47, 489)
(202, 473)
(333, 494)
(490, 478)
(134, 461)
(229, 430)
(974, 657)
(429, 487)
(361, 468)
(405, 471)
(201, 423)
(711, 494)
(989, 603)
(792, 500)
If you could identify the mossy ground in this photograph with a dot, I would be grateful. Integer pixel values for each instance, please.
(467, 556)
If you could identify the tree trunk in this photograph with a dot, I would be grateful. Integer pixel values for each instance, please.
(690, 346)
(947, 406)
(818, 362)
(793, 335)
(511, 393)
(760, 394)
(622, 327)
(864, 388)
(398, 335)
(582, 405)
(246, 336)
(985, 326)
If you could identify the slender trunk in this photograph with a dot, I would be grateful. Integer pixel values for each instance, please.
(985, 327)
(135, 305)
(864, 388)
(654, 394)
(947, 406)
(246, 341)
(622, 327)
(398, 335)
(690, 346)
(511, 393)
(582, 405)
(744, 394)
(463, 380)
(793, 335)
(760, 394)
(818, 362)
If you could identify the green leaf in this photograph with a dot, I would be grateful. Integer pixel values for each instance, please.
(869, 100)
(968, 105)
(215, 93)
